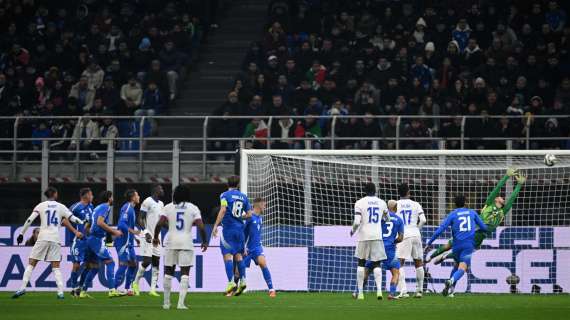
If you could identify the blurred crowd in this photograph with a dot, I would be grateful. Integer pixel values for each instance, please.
(94, 57)
(401, 58)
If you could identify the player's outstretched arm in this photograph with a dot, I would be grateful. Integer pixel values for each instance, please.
(27, 224)
(162, 222)
(444, 225)
(70, 227)
(521, 179)
(491, 198)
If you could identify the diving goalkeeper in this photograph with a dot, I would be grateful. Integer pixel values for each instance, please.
(493, 213)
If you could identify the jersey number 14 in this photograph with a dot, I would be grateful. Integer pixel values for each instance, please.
(52, 217)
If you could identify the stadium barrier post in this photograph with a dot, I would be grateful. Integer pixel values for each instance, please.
(463, 119)
(398, 122)
(110, 172)
(175, 164)
(141, 147)
(204, 148)
(333, 129)
(509, 184)
(243, 168)
(269, 123)
(528, 122)
(442, 183)
(45, 168)
(15, 146)
(77, 154)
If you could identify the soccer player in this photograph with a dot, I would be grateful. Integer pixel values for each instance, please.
(82, 210)
(96, 247)
(493, 214)
(234, 210)
(179, 216)
(368, 213)
(47, 247)
(253, 243)
(462, 222)
(150, 211)
(412, 214)
(392, 233)
(125, 244)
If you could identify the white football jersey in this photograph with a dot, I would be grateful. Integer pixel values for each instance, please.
(153, 211)
(181, 218)
(410, 211)
(371, 209)
(51, 213)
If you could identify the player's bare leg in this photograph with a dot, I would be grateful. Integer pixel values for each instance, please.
(420, 274)
(394, 283)
(184, 282)
(26, 279)
(262, 263)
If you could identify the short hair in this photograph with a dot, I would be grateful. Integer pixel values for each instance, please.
(50, 192)
(181, 194)
(369, 188)
(392, 204)
(129, 194)
(84, 191)
(403, 189)
(155, 188)
(258, 200)
(459, 201)
(233, 181)
(104, 196)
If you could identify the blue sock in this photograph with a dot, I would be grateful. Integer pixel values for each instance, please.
(457, 275)
(120, 275)
(82, 277)
(393, 288)
(241, 269)
(131, 272)
(267, 277)
(88, 281)
(74, 275)
(110, 273)
(452, 272)
(229, 269)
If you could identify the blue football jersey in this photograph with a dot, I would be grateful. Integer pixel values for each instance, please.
(253, 232)
(237, 205)
(83, 212)
(101, 210)
(390, 230)
(126, 221)
(462, 222)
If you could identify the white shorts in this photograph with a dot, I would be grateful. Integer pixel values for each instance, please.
(148, 249)
(410, 248)
(372, 250)
(178, 257)
(46, 251)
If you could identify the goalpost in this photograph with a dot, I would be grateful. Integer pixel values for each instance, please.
(310, 197)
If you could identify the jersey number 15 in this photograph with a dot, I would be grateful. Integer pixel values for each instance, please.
(373, 214)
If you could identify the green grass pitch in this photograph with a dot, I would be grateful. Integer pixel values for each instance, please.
(298, 306)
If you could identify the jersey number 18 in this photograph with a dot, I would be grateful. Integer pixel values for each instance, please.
(237, 209)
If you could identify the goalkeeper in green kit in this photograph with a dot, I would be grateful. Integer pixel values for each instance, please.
(493, 213)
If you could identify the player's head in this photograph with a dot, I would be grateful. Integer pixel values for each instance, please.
(370, 189)
(499, 202)
(157, 191)
(392, 205)
(258, 205)
(459, 201)
(233, 182)
(51, 193)
(404, 190)
(181, 194)
(86, 195)
(131, 195)
(105, 197)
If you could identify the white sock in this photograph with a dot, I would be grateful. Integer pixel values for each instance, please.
(183, 290)
(58, 279)
(420, 273)
(402, 281)
(167, 286)
(360, 279)
(154, 278)
(26, 278)
(378, 279)
(140, 274)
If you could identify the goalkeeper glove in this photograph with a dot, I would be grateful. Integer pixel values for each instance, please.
(520, 178)
(511, 172)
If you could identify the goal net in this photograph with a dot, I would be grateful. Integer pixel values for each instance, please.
(310, 198)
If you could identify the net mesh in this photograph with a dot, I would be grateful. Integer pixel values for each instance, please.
(310, 200)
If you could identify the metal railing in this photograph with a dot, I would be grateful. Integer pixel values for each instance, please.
(200, 150)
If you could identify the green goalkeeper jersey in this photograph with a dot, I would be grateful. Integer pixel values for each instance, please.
(492, 215)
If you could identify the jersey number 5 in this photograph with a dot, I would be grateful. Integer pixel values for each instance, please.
(237, 209)
(464, 224)
(179, 220)
(52, 217)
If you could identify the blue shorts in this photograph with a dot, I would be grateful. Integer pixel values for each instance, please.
(232, 242)
(125, 251)
(96, 249)
(391, 262)
(78, 250)
(463, 252)
(252, 255)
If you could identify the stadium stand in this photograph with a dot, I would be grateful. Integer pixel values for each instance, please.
(446, 58)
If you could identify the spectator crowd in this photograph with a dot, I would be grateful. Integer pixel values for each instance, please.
(94, 57)
(404, 58)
